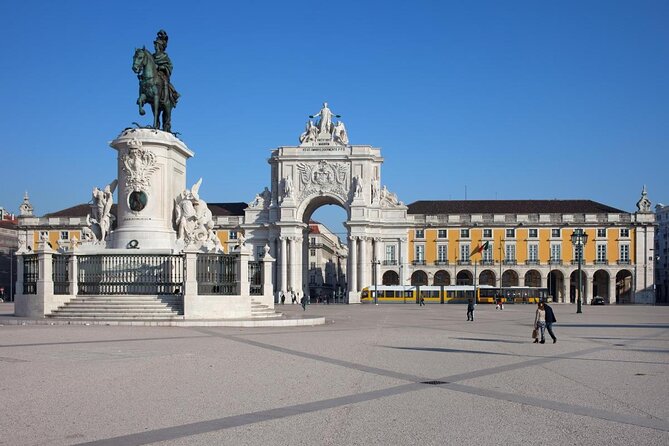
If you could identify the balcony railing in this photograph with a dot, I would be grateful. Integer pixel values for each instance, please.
(487, 262)
(510, 262)
(531, 262)
(418, 262)
(601, 262)
(391, 262)
(555, 262)
(623, 262)
(464, 262)
(441, 263)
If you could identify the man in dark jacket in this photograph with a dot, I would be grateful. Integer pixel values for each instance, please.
(550, 320)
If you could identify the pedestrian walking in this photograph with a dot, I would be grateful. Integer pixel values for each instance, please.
(283, 298)
(303, 301)
(421, 301)
(470, 310)
(293, 298)
(540, 322)
(550, 320)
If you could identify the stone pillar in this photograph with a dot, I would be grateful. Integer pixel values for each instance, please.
(190, 281)
(293, 264)
(45, 280)
(73, 266)
(587, 291)
(377, 260)
(283, 265)
(267, 286)
(404, 261)
(298, 264)
(612, 290)
(353, 265)
(151, 173)
(243, 271)
(364, 266)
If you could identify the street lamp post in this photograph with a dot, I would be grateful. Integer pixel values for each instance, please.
(375, 264)
(579, 238)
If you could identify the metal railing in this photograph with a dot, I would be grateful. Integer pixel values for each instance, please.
(30, 274)
(143, 274)
(255, 278)
(60, 274)
(217, 274)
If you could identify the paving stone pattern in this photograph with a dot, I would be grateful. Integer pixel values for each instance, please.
(372, 375)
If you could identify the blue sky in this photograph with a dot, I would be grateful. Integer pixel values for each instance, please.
(506, 99)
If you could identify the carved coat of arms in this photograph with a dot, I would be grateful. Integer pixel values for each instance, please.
(323, 177)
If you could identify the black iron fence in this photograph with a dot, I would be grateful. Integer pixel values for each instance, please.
(151, 274)
(60, 274)
(30, 274)
(255, 278)
(217, 274)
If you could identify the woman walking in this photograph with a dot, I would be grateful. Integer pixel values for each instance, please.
(540, 322)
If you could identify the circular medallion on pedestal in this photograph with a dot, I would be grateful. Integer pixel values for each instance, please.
(137, 201)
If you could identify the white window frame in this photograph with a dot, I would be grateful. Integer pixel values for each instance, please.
(510, 252)
(442, 233)
(624, 233)
(556, 252)
(601, 232)
(601, 252)
(624, 251)
(486, 254)
(536, 233)
(232, 234)
(464, 233)
(442, 252)
(390, 253)
(553, 232)
(420, 233)
(464, 252)
(66, 234)
(419, 253)
(487, 233)
(533, 252)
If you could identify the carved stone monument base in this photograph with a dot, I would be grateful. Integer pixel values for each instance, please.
(151, 174)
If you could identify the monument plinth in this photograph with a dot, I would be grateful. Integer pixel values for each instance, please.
(151, 174)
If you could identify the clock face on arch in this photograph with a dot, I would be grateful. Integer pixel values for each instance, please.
(137, 201)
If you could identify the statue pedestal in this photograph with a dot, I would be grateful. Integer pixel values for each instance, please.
(151, 173)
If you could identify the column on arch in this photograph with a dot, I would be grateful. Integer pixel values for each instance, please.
(377, 260)
(284, 265)
(293, 263)
(353, 264)
(298, 265)
(363, 263)
(612, 289)
(403, 260)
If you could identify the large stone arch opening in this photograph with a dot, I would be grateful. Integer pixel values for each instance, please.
(442, 277)
(391, 278)
(419, 278)
(464, 277)
(487, 277)
(600, 284)
(573, 287)
(624, 287)
(509, 278)
(324, 251)
(555, 282)
(533, 278)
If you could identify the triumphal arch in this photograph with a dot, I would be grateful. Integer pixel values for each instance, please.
(326, 169)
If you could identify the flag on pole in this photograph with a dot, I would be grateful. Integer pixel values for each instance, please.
(480, 248)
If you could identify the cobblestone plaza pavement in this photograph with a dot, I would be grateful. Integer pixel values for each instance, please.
(372, 375)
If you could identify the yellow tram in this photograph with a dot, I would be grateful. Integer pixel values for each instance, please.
(451, 294)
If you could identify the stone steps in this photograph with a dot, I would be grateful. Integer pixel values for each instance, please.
(121, 308)
(261, 311)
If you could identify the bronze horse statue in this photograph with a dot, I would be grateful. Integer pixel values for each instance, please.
(153, 89)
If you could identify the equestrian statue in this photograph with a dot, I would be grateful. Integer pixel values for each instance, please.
(154, 71)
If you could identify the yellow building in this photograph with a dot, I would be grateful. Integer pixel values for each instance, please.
(529, 243)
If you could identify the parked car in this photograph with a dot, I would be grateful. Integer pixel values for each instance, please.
(598, 301)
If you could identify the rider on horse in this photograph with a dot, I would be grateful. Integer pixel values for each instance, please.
(164, 65)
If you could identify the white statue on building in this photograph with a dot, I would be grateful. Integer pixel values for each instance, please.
(194, 220)
(325, 119)
(310, 133)
(375, 190)
(357, 187)
(389, 199)
(288, 187)
(100, 219)
(340, 134)
(644, 204)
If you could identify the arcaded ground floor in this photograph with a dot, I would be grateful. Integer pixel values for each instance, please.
(373, 375)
